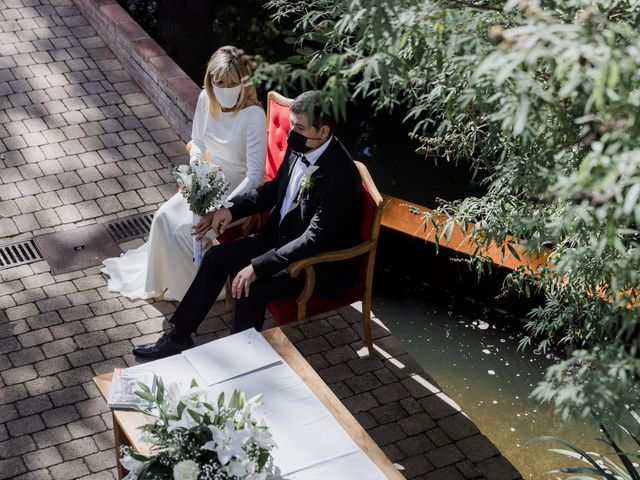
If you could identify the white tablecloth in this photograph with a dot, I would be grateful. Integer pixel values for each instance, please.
(311, 444)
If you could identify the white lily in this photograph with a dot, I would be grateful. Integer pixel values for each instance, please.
(248, 409)
(227, 442)
(240, 468)
(186, 421)
(261, 436)
(172, 397)
(134, 466)
(202, 173)
(202, 168)
(185, 179)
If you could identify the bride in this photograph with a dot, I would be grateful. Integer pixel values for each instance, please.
(229, 126)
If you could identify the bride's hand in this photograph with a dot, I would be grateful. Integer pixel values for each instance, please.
(200, 229)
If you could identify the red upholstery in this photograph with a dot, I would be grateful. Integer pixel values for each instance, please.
(285, 310)
(278, 126)
(230, 234)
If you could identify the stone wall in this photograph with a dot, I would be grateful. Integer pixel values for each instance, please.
(172, 91)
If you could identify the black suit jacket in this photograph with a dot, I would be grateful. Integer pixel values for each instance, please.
(326, 218)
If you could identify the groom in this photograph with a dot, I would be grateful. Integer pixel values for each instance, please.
(315, 206)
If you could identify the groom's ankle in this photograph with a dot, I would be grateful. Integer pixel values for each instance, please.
(178, 335)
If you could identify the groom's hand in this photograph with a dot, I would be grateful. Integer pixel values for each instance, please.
(221, 219)
(242, 282)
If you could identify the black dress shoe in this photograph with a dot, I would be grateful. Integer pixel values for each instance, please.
(165, 346)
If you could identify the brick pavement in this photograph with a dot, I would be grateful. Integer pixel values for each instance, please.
(80, 143)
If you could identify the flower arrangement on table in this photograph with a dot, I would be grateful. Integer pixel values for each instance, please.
(196, 440)
(203, 185)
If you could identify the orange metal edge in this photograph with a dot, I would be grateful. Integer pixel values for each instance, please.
(397, 215)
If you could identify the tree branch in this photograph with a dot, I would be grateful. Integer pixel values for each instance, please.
(478, 6)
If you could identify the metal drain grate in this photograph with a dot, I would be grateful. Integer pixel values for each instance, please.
(18, 254)
(77, 249)
(128, 228)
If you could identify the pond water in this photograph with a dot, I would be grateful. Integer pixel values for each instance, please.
(467, 340)
(453, 325)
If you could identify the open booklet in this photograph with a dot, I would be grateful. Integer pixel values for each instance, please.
(216, 361)
(232, 356)
(124, 385)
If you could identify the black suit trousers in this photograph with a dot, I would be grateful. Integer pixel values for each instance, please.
(226, 260)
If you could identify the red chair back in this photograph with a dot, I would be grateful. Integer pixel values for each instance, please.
(278, 127)
(369, 209)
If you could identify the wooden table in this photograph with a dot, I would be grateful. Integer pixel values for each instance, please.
(126, 422)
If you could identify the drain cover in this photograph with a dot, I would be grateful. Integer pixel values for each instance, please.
(77, 249)
(128, 228)
(19, 253)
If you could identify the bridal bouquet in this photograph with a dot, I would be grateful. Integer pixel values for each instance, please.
(197, 440)
(204, 186)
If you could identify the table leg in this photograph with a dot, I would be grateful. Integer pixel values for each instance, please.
(119, 439)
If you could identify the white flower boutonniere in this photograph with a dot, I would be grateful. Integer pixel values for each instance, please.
(306, 184)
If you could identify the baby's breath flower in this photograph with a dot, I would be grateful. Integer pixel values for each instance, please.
(234, 447)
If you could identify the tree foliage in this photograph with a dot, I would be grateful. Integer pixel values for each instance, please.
(543, 98)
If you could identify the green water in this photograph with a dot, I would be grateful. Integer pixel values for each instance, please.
(471, 350)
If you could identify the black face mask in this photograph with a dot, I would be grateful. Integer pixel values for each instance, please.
(298, 142)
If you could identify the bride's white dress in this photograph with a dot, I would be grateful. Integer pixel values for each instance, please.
(236, 141)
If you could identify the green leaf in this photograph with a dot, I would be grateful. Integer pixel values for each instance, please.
(582, 453)
(633, 473)
(631, 199)
(513, 251)
(145, 395)
(195, 415)
(521, 117)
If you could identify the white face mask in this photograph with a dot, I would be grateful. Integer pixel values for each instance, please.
(227, 97)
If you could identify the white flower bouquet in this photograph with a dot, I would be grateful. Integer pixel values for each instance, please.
(196, 440)
(204, 186)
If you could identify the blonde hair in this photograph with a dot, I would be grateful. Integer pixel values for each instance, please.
(230, 63)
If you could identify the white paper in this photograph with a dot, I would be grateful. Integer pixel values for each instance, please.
(356, 465)
(175, 369)
(231, 356)
(304, 430)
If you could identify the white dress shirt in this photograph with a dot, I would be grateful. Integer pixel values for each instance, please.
(298, 172)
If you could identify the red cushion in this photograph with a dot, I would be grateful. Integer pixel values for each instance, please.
(230, 234)
(285, 310)
(277, 139)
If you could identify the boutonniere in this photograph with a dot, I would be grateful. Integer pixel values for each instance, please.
(306, 184)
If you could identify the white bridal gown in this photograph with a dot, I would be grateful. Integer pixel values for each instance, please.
(236, 141)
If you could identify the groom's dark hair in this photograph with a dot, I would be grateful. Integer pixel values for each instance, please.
(315, 107)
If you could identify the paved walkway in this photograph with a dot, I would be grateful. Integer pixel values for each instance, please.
(80, 144)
